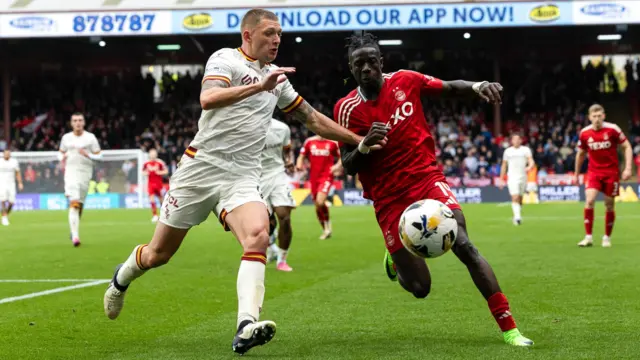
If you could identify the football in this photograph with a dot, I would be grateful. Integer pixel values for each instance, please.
(427, 228)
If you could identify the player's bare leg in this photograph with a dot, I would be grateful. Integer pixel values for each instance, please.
(285, 234)
(6, 209)
(154, 207)
(412, 272)
(516, 207)
(322, 211)
(165, 243)
(75, 209)
(250, 224)
(590, 202)
(610, 218)
(486, 281)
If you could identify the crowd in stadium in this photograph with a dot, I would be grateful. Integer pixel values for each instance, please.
(545, 103)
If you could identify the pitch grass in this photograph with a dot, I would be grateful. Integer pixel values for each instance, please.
(337, 304)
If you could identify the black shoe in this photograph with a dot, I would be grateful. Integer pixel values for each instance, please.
(252, 334)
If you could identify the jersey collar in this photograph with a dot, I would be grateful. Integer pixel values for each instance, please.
(364, 98)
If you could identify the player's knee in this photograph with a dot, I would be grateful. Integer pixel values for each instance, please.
(154, 258)
(319, 203)
(590, 203)
(257, 240)
(284, 220)
(609, 205)
(421, 290)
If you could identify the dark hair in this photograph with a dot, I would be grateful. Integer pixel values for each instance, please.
(77, 113)
(358, 41)
(254, 16)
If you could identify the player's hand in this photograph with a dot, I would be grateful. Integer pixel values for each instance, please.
(20, 187)
(276, 77)
(376, 138)
(626, 174)
(576, 179)
(83, 152)
(491, 93)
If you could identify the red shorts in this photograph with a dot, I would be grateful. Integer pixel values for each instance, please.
(388, 212)
(321, 186)
(155, 189)
(608, 184)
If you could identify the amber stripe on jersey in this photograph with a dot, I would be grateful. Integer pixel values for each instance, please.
(245, 55)
(294, 105)
(217, 77)
(255, 256)
(139, 256)
(191, 152)
(222, 218)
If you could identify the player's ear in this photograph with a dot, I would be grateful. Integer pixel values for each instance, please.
(381, 62)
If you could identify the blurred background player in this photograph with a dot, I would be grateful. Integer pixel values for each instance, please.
(389, 106)
(322, 154)
(276, 191)
(220, 171)
(154, 169)
(9, 175)
(78, 150)
(519, 161)
(600, 141)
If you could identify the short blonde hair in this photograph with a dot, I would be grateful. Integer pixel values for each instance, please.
(595, 108)
(254, 16)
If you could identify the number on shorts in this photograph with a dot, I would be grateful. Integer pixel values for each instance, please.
(446, 190)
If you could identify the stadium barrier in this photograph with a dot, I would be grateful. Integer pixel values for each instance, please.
(629, 192)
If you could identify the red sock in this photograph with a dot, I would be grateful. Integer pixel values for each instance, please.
(321, 216)
(609, 220)
(588, 221)
(154, 209)
(325, 210)
(499, 307)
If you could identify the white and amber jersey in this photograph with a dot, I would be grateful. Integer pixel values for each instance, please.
(76, 162)
(8, 169)
(278, 140)
(233, 137)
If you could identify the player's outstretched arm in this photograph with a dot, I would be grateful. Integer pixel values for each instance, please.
(323, 126)
(19, 179)
(218, 93)
(354, 158)
(489, 92)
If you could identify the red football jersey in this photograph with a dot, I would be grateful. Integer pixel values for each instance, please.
(410, 151)
(321, 154)
(153, 167)
(602, 147)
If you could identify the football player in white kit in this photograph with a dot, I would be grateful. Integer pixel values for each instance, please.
(519, 161)
(9, 173)
(276, 190)
(78, 150)
(220, 171)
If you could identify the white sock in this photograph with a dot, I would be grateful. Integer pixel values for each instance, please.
(274, 248)
(250, 287)
(130, 270)
(516, 210)
(74, 222)
(282, 255)
(588, 237)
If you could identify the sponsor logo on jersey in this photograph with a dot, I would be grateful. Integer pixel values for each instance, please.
(197, 22)
(402, 113)
(606, 10)
(599, 145)
(545, 13)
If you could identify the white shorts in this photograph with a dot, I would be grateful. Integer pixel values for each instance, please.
(532, 187)
(516, 187)
(8, 193)
(276, 191)
(76, 187)
(198, 188)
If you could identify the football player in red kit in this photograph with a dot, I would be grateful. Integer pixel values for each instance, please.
(321, 154)
(154, 170)
(388, 106)
(601, 140)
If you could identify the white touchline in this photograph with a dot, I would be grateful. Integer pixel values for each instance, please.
(52, 291)
(46, 280)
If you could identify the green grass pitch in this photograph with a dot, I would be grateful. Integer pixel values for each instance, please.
(337, 303)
